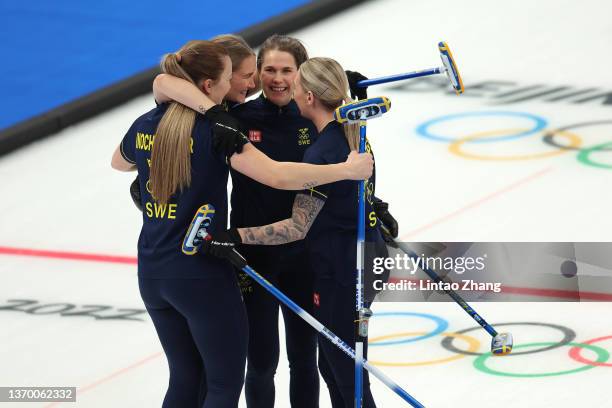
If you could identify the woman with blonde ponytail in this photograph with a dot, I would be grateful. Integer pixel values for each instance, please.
(327, 216)
(277, 129)
(182, 161)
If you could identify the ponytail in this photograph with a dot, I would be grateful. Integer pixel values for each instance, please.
(171, 155)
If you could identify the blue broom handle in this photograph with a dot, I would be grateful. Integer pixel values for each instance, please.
(360, 259)
(324, 331)
(398, 77)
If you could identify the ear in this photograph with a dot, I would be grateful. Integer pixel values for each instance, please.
(207, 86)
(310, 99)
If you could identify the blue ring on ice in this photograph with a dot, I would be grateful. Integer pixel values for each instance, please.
(539, 124)
(441, 326)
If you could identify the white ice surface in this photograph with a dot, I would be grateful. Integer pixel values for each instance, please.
(60, 194)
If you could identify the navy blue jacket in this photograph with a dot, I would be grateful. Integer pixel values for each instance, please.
(332, 238)
(164, 226)
(283, 135)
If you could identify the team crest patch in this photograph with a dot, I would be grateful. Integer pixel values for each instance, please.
(303, 137)
(245, 282)
(255, 135)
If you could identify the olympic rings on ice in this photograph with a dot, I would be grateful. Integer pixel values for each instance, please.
(602, 355)
(473, 345)
(575, 142)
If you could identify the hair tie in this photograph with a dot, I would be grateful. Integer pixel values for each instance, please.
(178, 57)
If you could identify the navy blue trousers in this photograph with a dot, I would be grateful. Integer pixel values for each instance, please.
(202, 326)
(336, 311)
(293, 277)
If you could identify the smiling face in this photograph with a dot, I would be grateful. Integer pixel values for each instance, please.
(278, 72)
(243, 80)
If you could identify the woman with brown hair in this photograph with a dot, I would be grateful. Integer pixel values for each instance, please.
(182, 160)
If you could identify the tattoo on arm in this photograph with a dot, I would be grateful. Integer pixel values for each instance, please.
(305, 210)
(310, 184)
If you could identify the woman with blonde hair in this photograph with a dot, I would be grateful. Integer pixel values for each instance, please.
(182, 160)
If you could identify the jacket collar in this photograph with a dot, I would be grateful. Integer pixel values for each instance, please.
(289, 109)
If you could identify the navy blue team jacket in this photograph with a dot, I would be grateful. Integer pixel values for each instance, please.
(283, 135)
(332, 238)
(164, 226)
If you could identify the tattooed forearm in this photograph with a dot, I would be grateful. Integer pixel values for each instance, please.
(305, 211)
(280, 232)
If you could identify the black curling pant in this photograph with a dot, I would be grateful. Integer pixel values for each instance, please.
(293, 277)
(336, 311)
(202, 326)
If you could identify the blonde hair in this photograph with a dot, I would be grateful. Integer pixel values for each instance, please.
(171, 156)
(326, 79)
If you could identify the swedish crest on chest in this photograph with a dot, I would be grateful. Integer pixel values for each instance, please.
(303, 136)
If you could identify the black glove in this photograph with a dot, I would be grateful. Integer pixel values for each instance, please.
(391, 228)
(228, 137)
(223, 245)
(218, 113)
(356, 92)
(135, 193)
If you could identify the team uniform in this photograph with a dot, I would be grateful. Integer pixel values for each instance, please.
(283, 135)
(332, 252)
(194, 301)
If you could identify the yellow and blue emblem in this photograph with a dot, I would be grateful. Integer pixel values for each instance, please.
(364, 109)
(198, 230)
